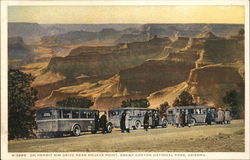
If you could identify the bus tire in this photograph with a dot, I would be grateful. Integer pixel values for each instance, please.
(76, 130)
(94, 132)
(109, 128)
(193, 122)
(137, 125)
(164, 124)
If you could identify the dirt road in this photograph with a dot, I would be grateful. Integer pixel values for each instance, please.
(215, 138)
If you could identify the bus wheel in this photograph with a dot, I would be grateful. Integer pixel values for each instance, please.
(76, 130)
(109, 128)
(164, 124)
(193, 122)
(94, 132)
(137, 125)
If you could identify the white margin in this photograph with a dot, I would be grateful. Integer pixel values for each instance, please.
(4, 65)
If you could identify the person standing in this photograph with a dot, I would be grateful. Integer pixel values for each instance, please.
(227, 116)
(122, 122)
(177, 118)
(154, 120)
(189, 118)
(96, 122)
(220, 116)
(209, 117)
(146, 121)
(127, 121)
(182, 118)
(103, 123)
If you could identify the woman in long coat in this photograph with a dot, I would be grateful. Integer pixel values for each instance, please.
(189, 118)
(220, 116)
(177, 118)
(103, 123)
(209, 117)
(182, 118)
(146, 121)
(127, 121)
(122, 122)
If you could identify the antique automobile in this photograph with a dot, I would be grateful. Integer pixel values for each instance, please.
(57, 121)
(136, 117)
(198, 113)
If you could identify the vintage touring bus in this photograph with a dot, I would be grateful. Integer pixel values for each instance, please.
(136, 117)
(56, 121)
(198, 113)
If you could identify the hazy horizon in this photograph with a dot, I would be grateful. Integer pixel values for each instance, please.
(126, 14)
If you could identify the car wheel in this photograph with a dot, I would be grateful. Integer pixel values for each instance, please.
(164, 124)
(76, 130)
(109, 128)
(137, 125)
(193, 122)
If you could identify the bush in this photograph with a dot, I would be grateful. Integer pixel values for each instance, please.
(21, 99)
(184, 99)
(163, 109)
(137, 103)
(75, 102)
(235, 101)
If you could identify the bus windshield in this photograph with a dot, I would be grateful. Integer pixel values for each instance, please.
(47, 114)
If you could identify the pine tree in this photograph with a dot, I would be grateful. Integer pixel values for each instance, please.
(184, 99)
(21, 99)
(163, 108)
(235, 101)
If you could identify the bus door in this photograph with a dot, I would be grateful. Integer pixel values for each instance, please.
(170, 116)
(200, 115)
(88, 120)
(115, 117)
(65, 121)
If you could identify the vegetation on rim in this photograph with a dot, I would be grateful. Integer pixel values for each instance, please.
(139, 103)
(75, 102)
(21, 99)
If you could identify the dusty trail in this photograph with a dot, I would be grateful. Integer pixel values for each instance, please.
(215, 138)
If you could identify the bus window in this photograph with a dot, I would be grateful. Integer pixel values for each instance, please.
(46, 115)
(75, 114)
(191, 111)
(66, 113)
(197, 111)
(91, 115)
(170, 112)
(60, 114)
(137, 113)
(83, 114)
(203, 111)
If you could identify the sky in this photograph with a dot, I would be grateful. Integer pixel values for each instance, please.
(126, 14)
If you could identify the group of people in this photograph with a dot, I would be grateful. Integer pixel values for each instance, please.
(182, 119)
(125, 121)
(102, 122)
(219, 116)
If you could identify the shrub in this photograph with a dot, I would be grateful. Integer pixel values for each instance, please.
(75, 102)
(137, 103)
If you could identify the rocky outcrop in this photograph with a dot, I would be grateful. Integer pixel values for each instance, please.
(207, 66)
(99, 61)
(154, 75)
(17, 49)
